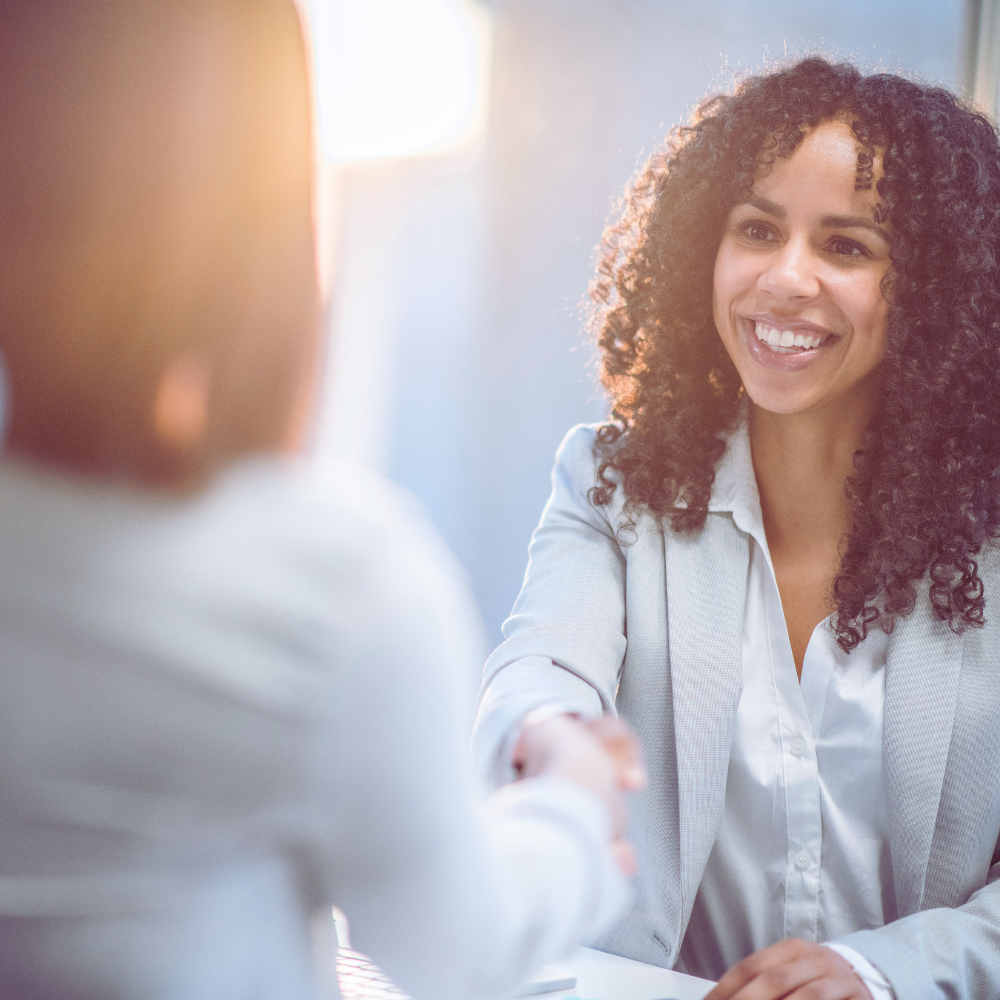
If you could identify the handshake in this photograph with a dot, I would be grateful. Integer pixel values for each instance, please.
(603, 756)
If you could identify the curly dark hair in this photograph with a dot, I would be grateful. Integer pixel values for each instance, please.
(926, 487)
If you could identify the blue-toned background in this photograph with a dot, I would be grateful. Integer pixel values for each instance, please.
(458, 360)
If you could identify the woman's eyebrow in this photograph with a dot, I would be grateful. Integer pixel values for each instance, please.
(853, 222)
(827, 221)
(768, 207)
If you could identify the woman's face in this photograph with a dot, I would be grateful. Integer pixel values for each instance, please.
(797, 293)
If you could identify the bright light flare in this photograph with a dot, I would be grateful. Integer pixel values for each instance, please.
(399, 77)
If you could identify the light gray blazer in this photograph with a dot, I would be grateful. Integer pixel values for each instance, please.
(653, 630)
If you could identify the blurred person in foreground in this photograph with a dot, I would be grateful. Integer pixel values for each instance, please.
(230, 681)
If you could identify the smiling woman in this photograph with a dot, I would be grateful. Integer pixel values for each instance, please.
(908, 161)
(777, 559)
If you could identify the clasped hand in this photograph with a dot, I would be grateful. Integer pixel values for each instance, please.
(602, 756)
(792, 970)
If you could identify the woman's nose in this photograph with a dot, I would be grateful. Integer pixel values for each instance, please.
(791, 273)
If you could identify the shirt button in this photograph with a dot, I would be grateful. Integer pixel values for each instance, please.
(798, 747)
(802, 861)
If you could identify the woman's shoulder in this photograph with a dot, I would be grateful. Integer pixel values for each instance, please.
(577, 472)
(586, 444)
(372, 570)
(583, 449)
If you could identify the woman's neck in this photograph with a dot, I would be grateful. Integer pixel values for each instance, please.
(800, 462)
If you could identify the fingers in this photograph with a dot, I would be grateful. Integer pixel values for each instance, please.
(791, 970)
(624, 854)
(781, 980)
(753, 966)
(543, 733)
(540, 740)
(602, 756)
(619, 740)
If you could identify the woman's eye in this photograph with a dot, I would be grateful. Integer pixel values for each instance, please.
(848, 248)
(758, 232)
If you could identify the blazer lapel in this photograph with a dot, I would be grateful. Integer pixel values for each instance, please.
(923, 664)
(706, 594)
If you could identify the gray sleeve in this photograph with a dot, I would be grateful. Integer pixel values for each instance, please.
(565, 639)
(942, 952)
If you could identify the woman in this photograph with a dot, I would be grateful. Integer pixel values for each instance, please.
(230, 682)
(792, 517)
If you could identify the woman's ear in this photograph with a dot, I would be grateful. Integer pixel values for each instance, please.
(181, 404)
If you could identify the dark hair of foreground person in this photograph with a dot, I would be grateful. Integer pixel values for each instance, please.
(159, 305)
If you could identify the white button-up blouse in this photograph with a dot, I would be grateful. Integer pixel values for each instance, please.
(803, 849)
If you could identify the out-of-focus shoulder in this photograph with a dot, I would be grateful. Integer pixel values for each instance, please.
(306, 547)
(345, 523)
(320, 497)
(352, 523)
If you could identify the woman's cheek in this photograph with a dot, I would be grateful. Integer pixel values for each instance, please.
(723, 288)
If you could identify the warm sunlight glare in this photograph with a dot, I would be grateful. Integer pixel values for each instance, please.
(399, 77)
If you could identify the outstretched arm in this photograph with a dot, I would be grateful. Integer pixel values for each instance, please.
(452, 902)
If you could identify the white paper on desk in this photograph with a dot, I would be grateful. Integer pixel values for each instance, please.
(546, 980)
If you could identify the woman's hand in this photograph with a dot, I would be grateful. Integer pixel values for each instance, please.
(793, 969)
(602, 756)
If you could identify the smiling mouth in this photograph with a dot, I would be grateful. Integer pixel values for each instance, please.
(788, 341)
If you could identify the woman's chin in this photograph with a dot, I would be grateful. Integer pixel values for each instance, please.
(783, 401)
(779, 405)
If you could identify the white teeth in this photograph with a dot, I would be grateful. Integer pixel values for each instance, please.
(781, 340)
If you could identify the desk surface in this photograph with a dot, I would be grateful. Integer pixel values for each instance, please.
(599, 976)
(609, 977)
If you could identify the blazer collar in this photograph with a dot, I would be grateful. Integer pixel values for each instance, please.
(735, 488)
(706, 577)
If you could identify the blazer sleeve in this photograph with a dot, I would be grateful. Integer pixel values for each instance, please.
(565, 639)
(943, 952)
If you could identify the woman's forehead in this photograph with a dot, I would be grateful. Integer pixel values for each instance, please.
(823, 171)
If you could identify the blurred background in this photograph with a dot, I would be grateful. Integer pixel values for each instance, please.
(472, 154)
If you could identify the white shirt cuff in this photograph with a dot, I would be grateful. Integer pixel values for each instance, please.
(877, 984)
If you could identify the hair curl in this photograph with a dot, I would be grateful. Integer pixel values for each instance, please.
(926, 488)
